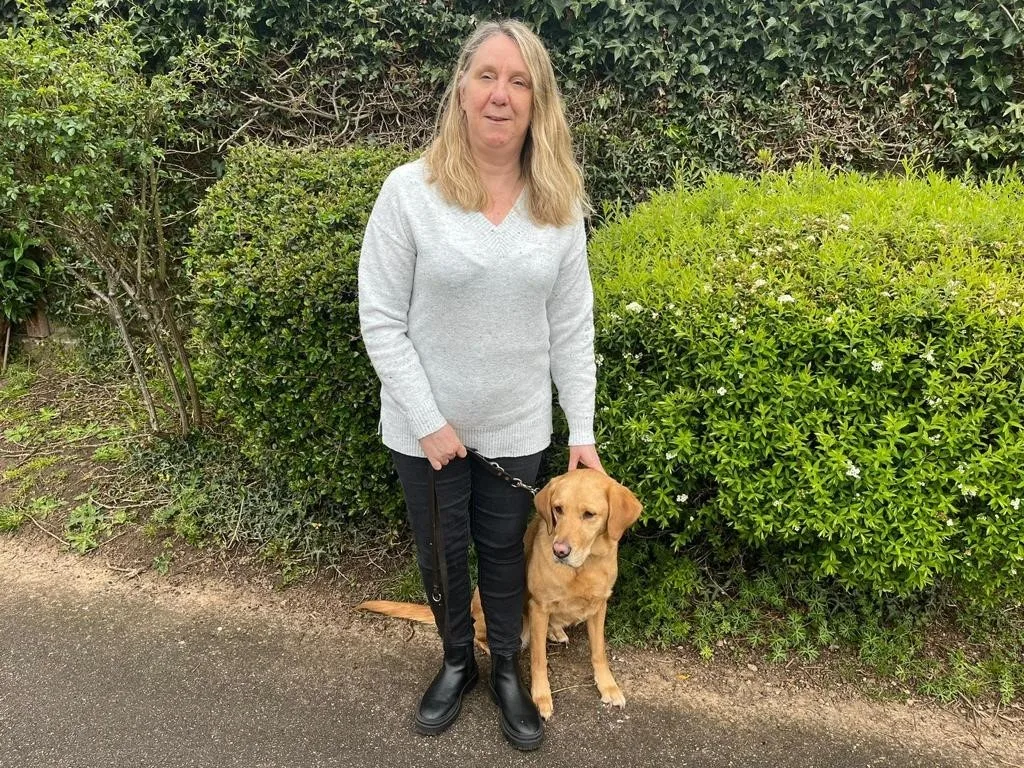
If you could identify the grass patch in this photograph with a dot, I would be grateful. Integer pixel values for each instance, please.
(17, 383)
(11, 518)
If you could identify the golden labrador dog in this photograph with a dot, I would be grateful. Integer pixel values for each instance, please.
(571, 565)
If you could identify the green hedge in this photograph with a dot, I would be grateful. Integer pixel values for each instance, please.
(826, 371)
(273, 265)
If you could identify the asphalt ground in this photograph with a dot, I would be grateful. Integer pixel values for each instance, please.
(100, 670)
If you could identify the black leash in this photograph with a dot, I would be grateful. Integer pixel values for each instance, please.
(439, 589)
(439, 592)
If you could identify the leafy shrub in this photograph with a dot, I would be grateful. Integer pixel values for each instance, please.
(83, 162)
(274, 262)
(824, 370)
(21, 276)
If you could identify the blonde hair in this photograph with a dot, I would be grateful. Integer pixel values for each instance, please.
(554, 181)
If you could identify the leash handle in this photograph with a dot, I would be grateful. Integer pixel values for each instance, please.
(439, 589)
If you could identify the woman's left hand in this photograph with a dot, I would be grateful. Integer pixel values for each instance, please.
(585, 455)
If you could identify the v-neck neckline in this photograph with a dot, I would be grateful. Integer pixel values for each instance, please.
(508, 214)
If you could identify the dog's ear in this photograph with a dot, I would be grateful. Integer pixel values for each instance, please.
(623, 509)
(542, 501)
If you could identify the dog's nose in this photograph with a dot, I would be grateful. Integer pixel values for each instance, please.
(561, 550)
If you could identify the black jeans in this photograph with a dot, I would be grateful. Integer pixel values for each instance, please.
(473, 502)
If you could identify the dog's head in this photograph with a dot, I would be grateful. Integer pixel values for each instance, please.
(581, 506)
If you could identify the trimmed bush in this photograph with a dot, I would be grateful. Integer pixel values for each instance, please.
(825, 371)
(273, 262)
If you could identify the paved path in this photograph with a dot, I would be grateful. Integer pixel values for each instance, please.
(118, 677)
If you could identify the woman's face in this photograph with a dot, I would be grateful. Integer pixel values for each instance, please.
(496, 95)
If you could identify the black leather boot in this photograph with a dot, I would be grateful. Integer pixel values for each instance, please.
(442, 701)
(520, 721)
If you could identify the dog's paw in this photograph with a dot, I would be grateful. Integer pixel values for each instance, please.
(612, 694)
(544, 705)
(557, 635)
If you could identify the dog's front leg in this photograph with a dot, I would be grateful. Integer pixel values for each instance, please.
(540, 688)
(610, 692)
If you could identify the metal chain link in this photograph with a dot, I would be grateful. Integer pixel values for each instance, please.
(499, 471)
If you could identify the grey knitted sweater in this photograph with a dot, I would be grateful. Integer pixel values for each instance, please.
(469, 323)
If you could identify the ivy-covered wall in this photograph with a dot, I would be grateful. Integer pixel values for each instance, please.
(729, 84)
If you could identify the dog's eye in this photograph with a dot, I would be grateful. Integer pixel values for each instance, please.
(557, 510)
(588, 514)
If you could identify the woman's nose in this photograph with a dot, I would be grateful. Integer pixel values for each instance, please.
(499, 93)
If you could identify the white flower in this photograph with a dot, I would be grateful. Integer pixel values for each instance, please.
(670, 455)
(786, 299)
(760, 282)
(722, 391)
(598, 359)
(852, 470)
(682, 498)
(647, 438)
(634, 307)
(929, 357)
(877, 366)
(1015, 503)
(949, 522)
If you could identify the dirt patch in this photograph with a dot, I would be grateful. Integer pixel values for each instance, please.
(733, 694)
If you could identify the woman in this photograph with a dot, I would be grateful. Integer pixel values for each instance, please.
(474, 294)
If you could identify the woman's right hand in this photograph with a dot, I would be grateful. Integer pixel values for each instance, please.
(442, 446)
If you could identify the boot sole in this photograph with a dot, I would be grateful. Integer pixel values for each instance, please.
(433, 729)
(523, 745)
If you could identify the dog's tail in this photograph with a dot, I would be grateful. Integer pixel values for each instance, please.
(411, 611)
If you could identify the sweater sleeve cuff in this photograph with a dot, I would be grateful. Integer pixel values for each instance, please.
(425, 420)
(581, 431)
